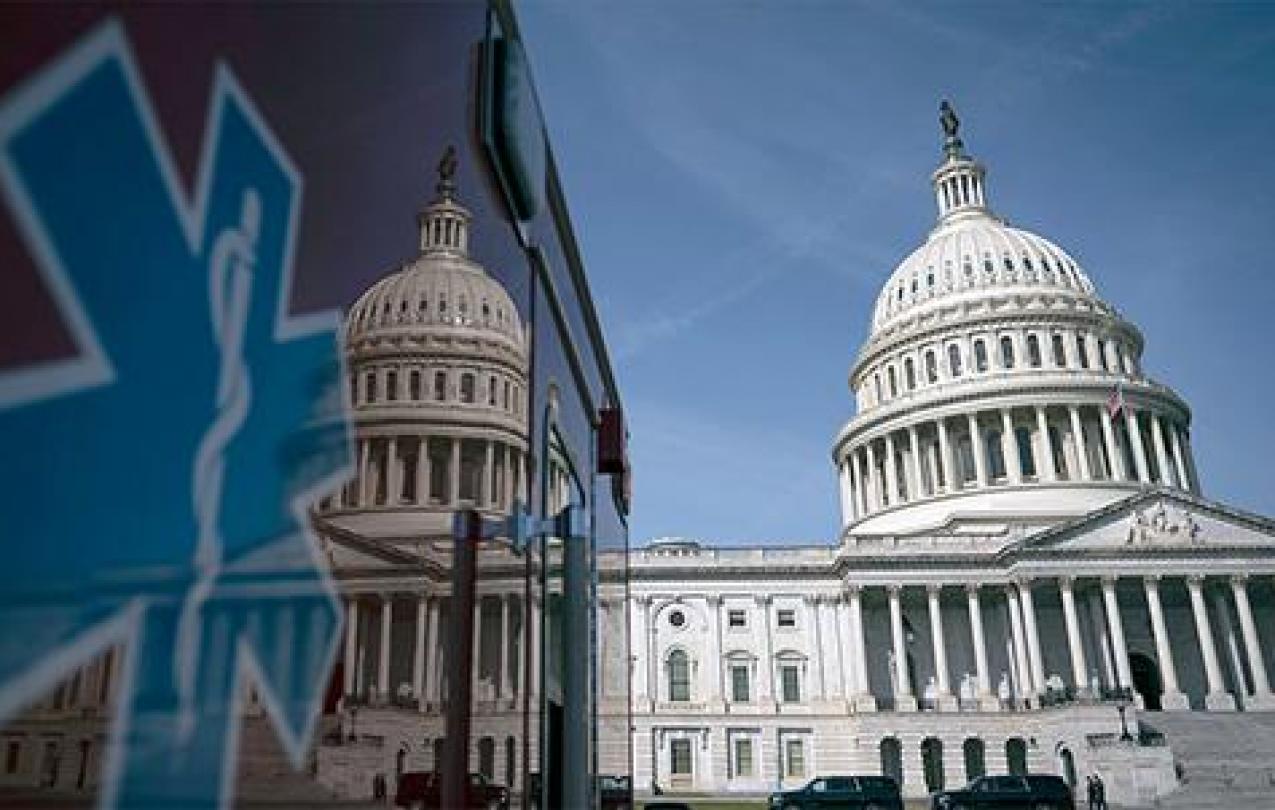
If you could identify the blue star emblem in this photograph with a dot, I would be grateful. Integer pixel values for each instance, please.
(153, 486)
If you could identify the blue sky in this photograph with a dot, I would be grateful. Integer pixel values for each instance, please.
(743, 176)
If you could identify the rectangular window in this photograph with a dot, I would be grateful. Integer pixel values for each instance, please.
(414, 385)
(787, 617)
(739, 683)
(369, 388)
(13, 751)
(440, 385)
(736, 618)
(791, 682)
(794, 759)
(680, 756)
(1082, 352)
(391, 385)
(743, 757)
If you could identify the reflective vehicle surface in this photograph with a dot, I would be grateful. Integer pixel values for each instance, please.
(842, 792)
(1031, 792)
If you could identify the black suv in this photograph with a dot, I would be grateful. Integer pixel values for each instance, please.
(842, 793)
(1031, 792)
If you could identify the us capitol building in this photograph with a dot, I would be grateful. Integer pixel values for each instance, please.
(1026, 577)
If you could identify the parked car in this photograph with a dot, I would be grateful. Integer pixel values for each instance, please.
(663, 805)
(422, 789)
(842, 793)
(1031, 792)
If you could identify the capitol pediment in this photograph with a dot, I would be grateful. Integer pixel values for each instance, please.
(1159, 520)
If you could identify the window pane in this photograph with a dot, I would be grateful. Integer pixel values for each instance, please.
(791, 684)
(739, 683)
(796, 758)
(681, 757)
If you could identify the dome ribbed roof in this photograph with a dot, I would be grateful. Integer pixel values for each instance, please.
(975, 255)
(441, 287)
(442, 291)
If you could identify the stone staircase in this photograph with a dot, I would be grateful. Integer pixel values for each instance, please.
(265, 773)
(1228, 760)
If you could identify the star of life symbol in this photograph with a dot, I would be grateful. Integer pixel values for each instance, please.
(152, 487)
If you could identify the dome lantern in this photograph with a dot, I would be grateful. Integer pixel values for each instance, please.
(444, 223)
(959, 185)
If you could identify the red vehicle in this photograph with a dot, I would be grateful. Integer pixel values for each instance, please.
(423, 789)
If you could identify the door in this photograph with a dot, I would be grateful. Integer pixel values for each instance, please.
(681, 765)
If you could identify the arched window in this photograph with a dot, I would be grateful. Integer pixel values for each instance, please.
(506, 398)
(1026, 461)
(440, 385)
(1033, 351)
(909, 373)
(1016, 756)
(975, 758)
(932, 763)
(931, 368)
(487, 758)
(892, 759)
(980, 356)
(1082, 349)
(467, 387)
(894, 382)
(954, 359)
(995, 454)
(679, 676)
(1007, 351)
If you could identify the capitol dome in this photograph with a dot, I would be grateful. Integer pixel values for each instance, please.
(438, 386)
(995, 386)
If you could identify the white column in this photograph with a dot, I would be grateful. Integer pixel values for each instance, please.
(843, 492)
(1022, 670)
(874, 480)
(980, 643)
(1115, 627)
(945, 458)
(506, 623)
(476, 656)
(1232, 645)
(863, 504)
(383, 667)
(1033, 635)
(864, 700)
(1009, 447)
(1217, 699)
(1078, 439)
(1172, 699)
(365, 452)
(486, 497)
(418, 652)
(1135, 438)
(934, 593)
(422, 471)
(814, 637)
(1161, 452)
(453, 472)
(765, 687)
(524, 487)
(351, 643)
(979, 452)
(1114, 455)
(1079, 671)
(1179, 464)
(537, 629)
(914, 468)
(1262, 697)
(714, 668)
(904, 700)
(393, 472)
(433, 681)
(1045, 464)
(891, 470)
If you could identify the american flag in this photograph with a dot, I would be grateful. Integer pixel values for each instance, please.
(1115, 402)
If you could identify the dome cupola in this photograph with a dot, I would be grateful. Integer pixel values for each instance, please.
(995, 381)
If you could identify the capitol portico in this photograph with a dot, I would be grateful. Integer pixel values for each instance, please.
(1025, 560)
